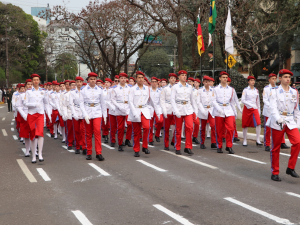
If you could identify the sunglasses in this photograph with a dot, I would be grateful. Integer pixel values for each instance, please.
(116, 80)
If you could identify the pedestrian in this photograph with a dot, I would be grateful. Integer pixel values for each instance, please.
(9, 99)
(196, 119)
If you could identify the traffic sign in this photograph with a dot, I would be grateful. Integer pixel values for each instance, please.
(231, 61)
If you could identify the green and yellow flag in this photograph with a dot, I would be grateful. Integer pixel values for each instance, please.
(212, 17)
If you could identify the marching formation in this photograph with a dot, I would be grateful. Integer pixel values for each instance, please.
(179, 108)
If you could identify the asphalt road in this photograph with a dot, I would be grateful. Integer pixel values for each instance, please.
(160, 188)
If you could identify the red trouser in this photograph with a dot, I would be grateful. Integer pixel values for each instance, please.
(24, 128)
(105, 127)
(17, 119)
(188, 120)
(167, 123)
(113, 128)
(267, 133)
(69, 132)
(228, 122)
(158, 124)
(54, 116)
(196, 122)
(137, 129)
(47, 121)
(94, 128)
(294, 138)
(83, 134)
(235, 131)
(211, 121)
(36, 124)
(121, 128)
(78, 134)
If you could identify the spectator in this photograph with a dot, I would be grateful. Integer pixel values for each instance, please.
(9, 98)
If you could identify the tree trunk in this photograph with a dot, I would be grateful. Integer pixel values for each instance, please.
(195, 55)
(126, 61)
(179, 50)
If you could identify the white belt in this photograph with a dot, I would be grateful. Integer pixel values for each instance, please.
(286, 113)
(182, 102)
(141, 106)
(223, 104)
(119, 101)
(92, 104)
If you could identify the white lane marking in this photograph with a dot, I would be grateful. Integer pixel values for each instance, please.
(12, 129)
(12, 123)
(65, 147)
(192, 160)
(15, 137)
(152, 166)
(235, 144)
(101, 171)
(81, 217)
(49, 135)
(13, 120)
(148, 145)
(26, 171)
(287, 155)
(24, 150)
(4, 132)
(258, 211)
(1, 107)
(3, 118)
(293, 194)
(184, 143)
(252, 160)
(107, 146)
(175, 216)
(43, 174)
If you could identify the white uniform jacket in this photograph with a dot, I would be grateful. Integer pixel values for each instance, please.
(36, 100)
(111, 107)
(138, 103)
(224, 99)
(205, 102)
(182, 100)
(48, 93)
(54, 100)
(165, 100)
(21, 108)
(66, 109)
(119, 98)
(93, 104)
(75, 100)
(250, 98)
(284, 105)
(14, 99)
(155, 97)
(266, 100)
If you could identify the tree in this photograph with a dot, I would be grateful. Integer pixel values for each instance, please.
(66, 66)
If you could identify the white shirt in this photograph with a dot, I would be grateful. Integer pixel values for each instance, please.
(119, 98)
(75, 100)
(35, 100)
(21, 108)
(111, 107)
(223, 101)
(182, 100)
(205, 102)
(266, 100)
(54, 100)
(93, 104)
(155, 97)
(250, 98)
(284, 105)
(66, 109)
(13, 102)
(165, 100)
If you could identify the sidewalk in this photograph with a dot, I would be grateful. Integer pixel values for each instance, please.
(252, 136)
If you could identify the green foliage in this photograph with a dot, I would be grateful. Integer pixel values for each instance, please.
(66, 66)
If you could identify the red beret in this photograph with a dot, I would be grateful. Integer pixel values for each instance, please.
(172, 75)
(272, 75)
(224, 73)
(35, 75)
(79, 78)
(84, 84)
(109, 80)
(92, 74)
(28, 80)
(61, 83)
(164, 79)
(206, 78)
(285, 71)
(154, 78)
(131, 78)
(117, 77)
(228, 80)
(22, 85)
(123, 75)
(72, 81)
(146, 79)
(192, 79)
(55, 83)
(212, 79)
(198, 80)
(49, 83)
(182, 72)
(250, 77)
(140, 73)
(99, 81)
(66, 81)
(41, 85)
(177, 80)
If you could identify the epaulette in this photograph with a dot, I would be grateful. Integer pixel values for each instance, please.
(82, 87)
(266, 86)
(114, 86)
(129, 85)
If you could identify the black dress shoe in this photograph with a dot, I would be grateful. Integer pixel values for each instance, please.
(166, 148)
(27, 155)
(195, 140)
(267, 148)
(88, 157)
(172, 143)
(103, 136)
(112, 144)
(258, 144)
(245, 145)
(55, 138)
(100, 157)
(223, 140)
(84, 152)
(275, 178)
(80, 147)
(123, 144)
(182, 138)
(208, 137)
(33, 161)
(52, 135)
(292, 172)
(37, 156)
(105, 139)
(236, 139)
(136, 154)
(219, 150)
(41, 160)
(77, 151)
(178, 152)
(146, 151)
(69, 147)
(141, 140)
(127, 142)
(229, 150)
(151, 143)
(63, 141)
(213, 145)
(157, 139)
(202, 147)
(284, 146)
(120, 149)
(188, 151)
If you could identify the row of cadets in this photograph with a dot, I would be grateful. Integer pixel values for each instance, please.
(267, 113)
(183, 104)
(35, 99)
(106, 127)
(131, 82)
(78, 122)
(224, 112)
(93, 109)
(167, 109)
(119, 98)
(205, 104)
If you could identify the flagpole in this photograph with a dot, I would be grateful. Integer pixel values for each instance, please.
(200, 67)
(227, 62)
(213, 75)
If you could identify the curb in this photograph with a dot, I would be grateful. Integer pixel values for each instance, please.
(251, 136)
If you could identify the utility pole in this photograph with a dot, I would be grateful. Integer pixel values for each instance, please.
(174, 59)
(6, 49)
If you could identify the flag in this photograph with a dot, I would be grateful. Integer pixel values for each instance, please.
(201, 48)
(209, 40)
(228, 34)
(212, 17)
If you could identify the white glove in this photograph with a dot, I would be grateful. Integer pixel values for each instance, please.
(75, 117)
(280, 120)
(166, 115)
(50, 120)
(105, 120)
(177, 115)
(25, 117)
(87, 119)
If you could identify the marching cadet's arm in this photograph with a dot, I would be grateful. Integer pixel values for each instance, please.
(245, 102)
(27, 103)
(20, 108)
(103, 105)
(273, 106)
(108, 102)
(81, 104)
(51, 100)
(155, 106)
(266, 97)
(130, 101)
(13, 103)
(199, 103)
(297, 111)
(258, 103)
(71, 104)
(46, 101)
(214, 102)
(193, 101)
(162, 102)
(173, 102)
(113, 97)
(236, 101)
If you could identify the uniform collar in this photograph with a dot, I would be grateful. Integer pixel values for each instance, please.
(249, 88)
(137, 87)
(222, 86)
(122, 87)
(89, 87)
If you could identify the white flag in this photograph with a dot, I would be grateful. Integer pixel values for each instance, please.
(228, 34)
(209, 39)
